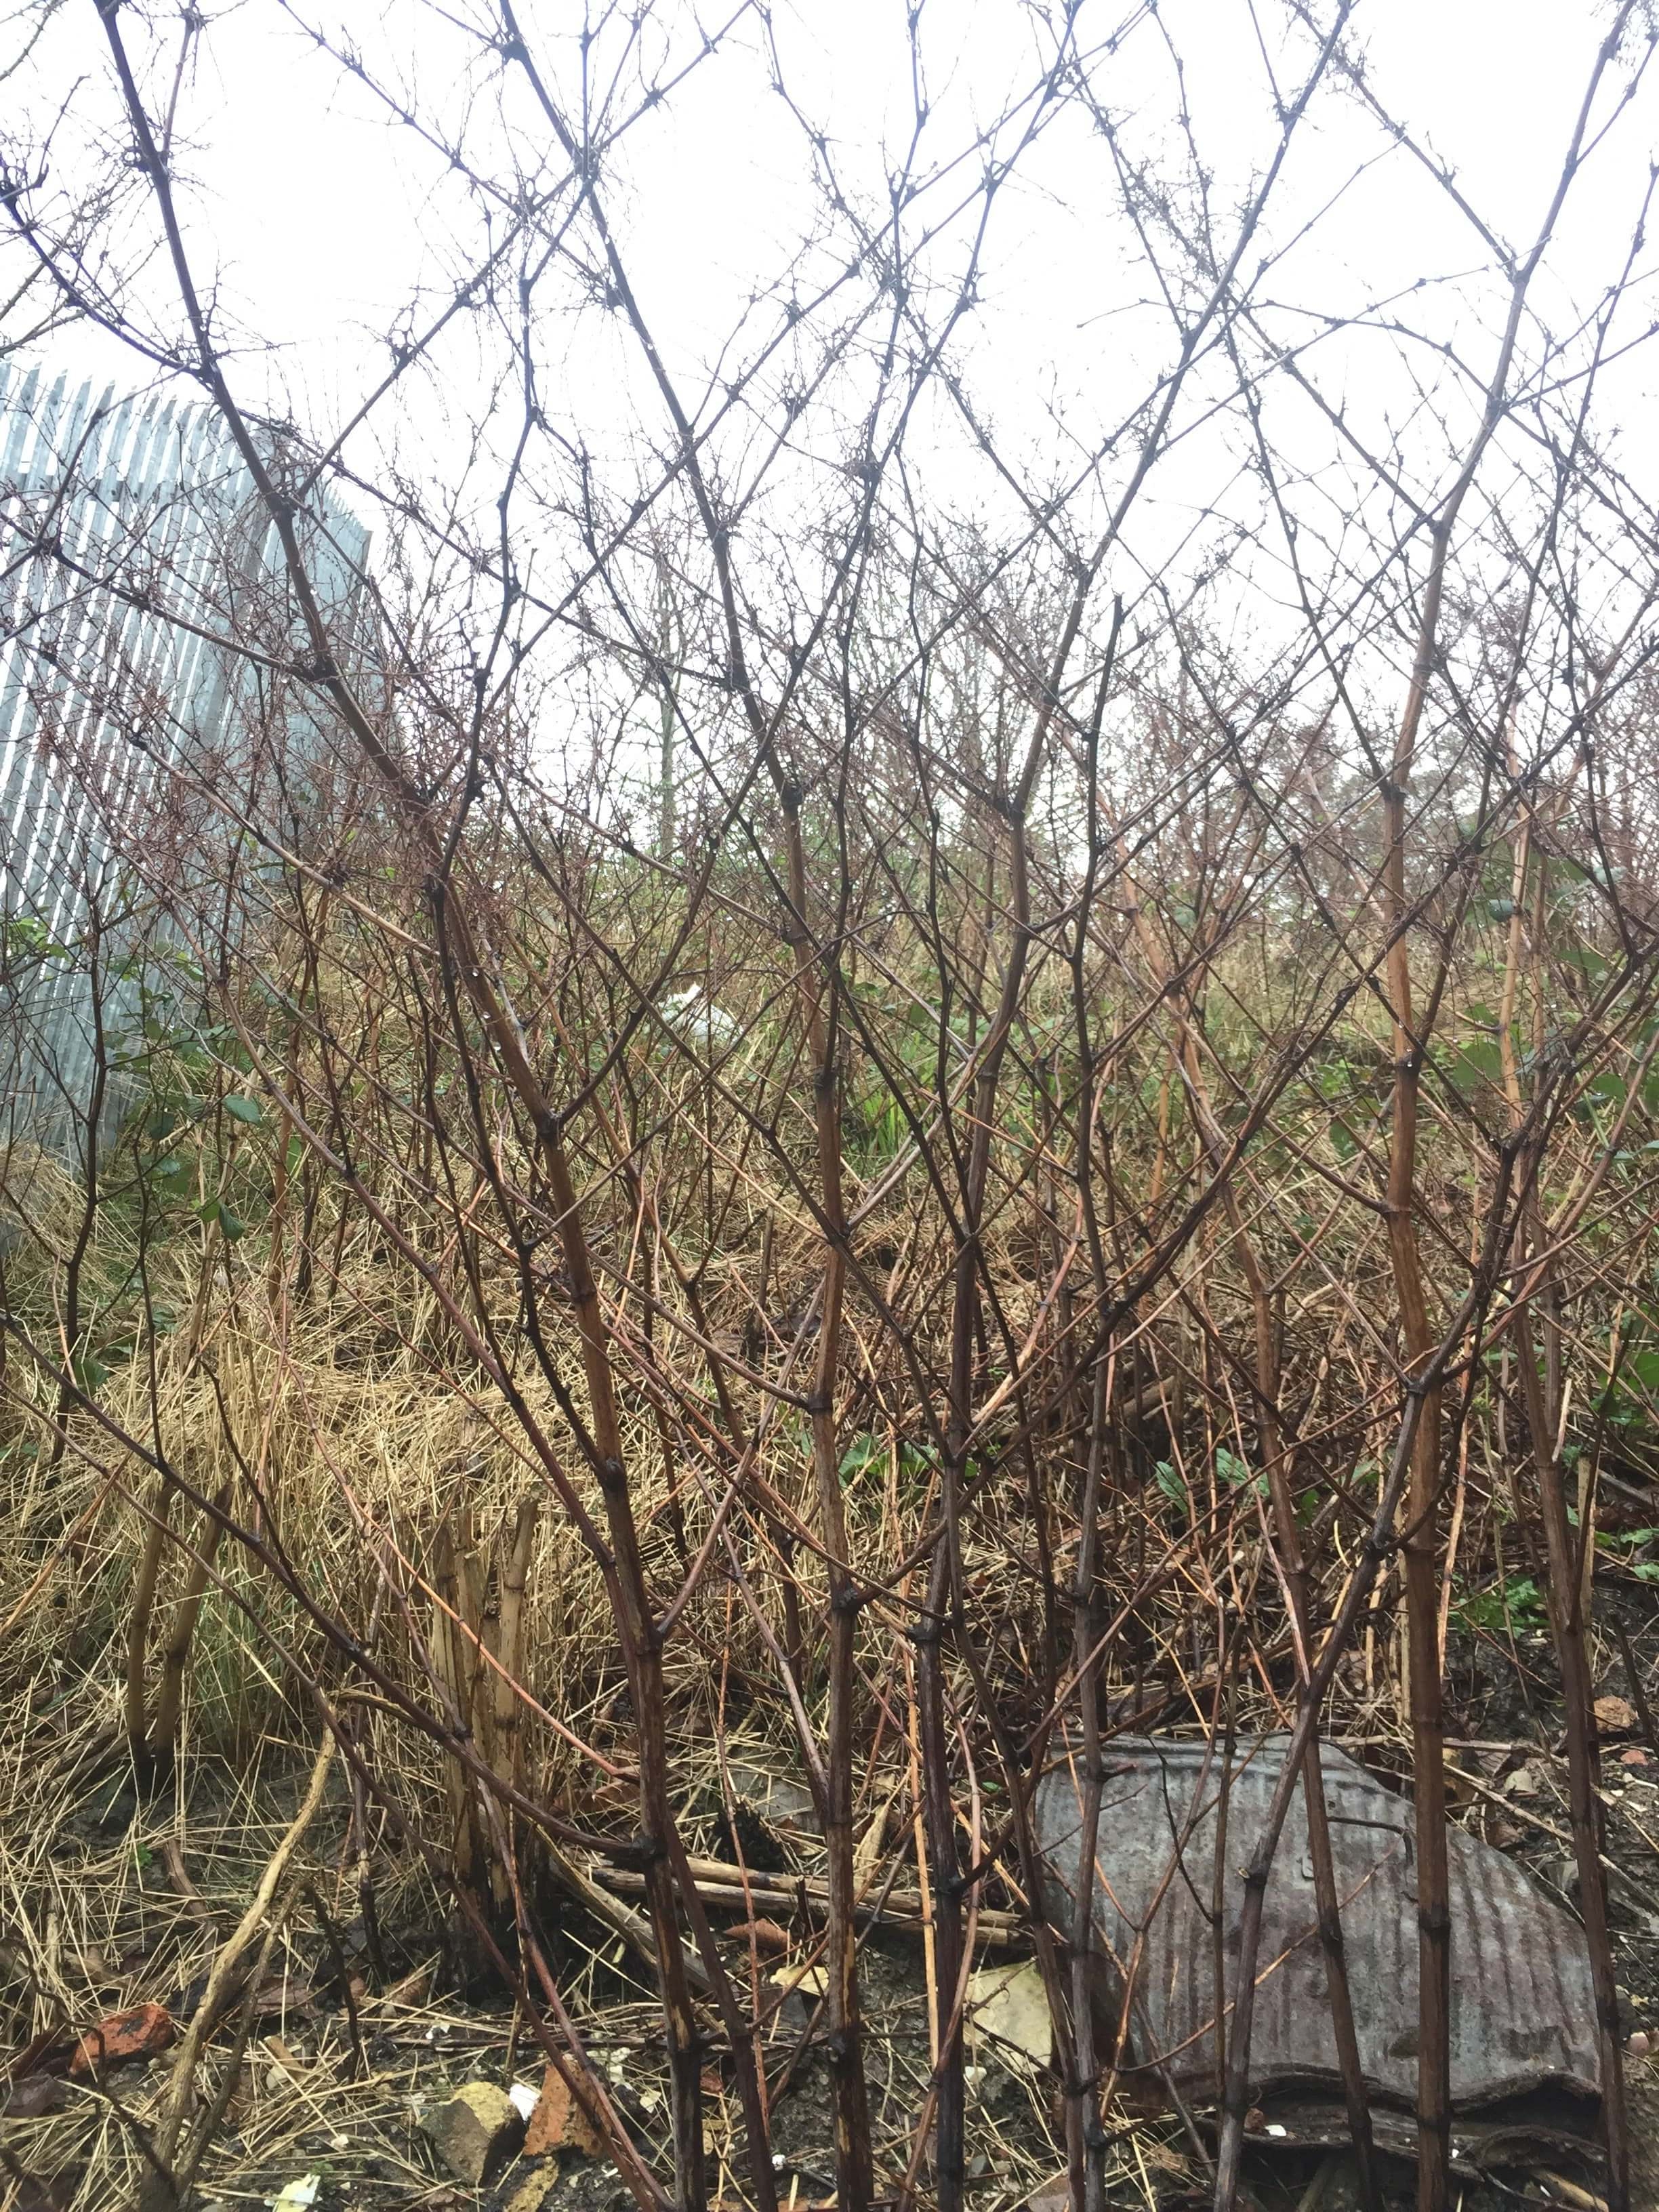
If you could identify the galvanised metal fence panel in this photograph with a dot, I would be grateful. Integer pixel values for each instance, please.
(144, 623)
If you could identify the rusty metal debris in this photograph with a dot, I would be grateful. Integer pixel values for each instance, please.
(1524, 2065)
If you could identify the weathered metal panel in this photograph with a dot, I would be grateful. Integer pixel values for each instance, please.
(137, 564)
(1522, 2014)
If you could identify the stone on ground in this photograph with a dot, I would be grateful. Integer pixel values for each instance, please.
(475, 2132)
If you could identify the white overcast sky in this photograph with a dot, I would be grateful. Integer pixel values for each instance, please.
(325, 220)
(322, 220)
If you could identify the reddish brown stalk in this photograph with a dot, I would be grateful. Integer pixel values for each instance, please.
(635, 1623)
(1379, 1548)
(1276, 1459)
(1085, 2138)
(1421, 1546)
(1281, 1491)
(853, 2152)
(1569, 1626)
(1421, 1553)
(853, 2159)
(949, 1125)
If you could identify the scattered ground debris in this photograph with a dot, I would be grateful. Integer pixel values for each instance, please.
(35, 2095)
(558, 2121)
(530, 2187)
(722, 1885)
(475, 2131)
(1524, 2063)
(764, 1935)
(1008, 2007)
(122, 2038)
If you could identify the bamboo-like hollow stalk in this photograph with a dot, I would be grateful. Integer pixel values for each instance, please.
(730, 1888)
(1434, 2047)
(449, 1660)
(138, 1620)
(1568, 1624)
(70, 1317)
(1361, 1582)
(635, 1626)
(1420, 1548)
(944, 1582)
(1083, 2132)
(1227, 1701)
(509, 1745)
(1327, 1899)
(276, 1223)
(1569, 1611)
(853, 2169)
(643, 1650)
(1235, 2102)
(175, 1657)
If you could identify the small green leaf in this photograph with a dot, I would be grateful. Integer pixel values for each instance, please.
(1585, 958)
(861, 1453)
(1505, 1608)
(1478, 1061)
(244, 1110)
(1170, 1483)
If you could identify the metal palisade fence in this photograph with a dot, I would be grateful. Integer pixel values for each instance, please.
(151, 720)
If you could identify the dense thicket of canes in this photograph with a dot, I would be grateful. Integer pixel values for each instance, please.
(918, 1095)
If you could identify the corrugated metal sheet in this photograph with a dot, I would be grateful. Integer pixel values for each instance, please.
(136, 565)
(1523, 2021)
